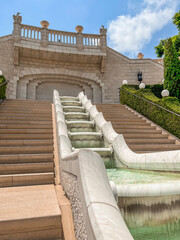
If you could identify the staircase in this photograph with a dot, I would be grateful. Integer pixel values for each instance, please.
(140, 135)
(26, 143)
(29, 205)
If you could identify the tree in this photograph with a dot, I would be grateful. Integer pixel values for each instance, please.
(176, 20)
(171, 69)
(160, 49)
(175, 39)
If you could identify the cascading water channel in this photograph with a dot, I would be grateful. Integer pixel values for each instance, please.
(149, 211)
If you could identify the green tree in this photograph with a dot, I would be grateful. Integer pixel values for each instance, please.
(176, 20)
(160, 49)
(171, 69)
(175, 39)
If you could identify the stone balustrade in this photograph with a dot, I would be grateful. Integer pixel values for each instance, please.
(32, 32)
(49, 36)
(62, 37)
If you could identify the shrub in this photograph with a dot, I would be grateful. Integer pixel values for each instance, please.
(2, 88)
(171, 70)
(163, 118)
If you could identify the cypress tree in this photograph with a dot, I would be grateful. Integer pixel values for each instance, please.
(171, 69)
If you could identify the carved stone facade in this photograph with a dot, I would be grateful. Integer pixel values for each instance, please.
(37, 60)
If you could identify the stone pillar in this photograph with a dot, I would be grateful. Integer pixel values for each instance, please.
(79, 38)
(44, 33)
(97, 94)
(103, 38)
(31, 90)
(17, 27)
(22, 89)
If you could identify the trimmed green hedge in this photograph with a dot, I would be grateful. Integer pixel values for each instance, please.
(2, 88)
(166, 120)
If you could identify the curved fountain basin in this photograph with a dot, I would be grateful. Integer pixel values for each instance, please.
(105, 153)
(149, 202)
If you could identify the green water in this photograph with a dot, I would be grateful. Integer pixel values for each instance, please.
(149, 218)
(131, 176)
(163, 232)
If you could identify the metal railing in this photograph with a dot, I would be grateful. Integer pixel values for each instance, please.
(178, 115)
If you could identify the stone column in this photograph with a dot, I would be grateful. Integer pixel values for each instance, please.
(79, 37)
(103, 38)
(17, 27)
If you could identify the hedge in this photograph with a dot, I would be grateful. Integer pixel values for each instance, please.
(165, 119)
(2, 88)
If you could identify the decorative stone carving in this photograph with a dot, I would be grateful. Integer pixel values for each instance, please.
(103, 30)
(140, 56)
(17, 18)
(44, 24)
(79, 28)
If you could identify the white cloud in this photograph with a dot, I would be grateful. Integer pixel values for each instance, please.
(130, 34)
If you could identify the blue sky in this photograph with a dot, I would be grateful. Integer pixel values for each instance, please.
(133, 25)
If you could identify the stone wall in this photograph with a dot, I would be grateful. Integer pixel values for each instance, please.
(34, 73)
(119, 67)
(7, 59)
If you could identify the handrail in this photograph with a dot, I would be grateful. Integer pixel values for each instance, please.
(178, 115)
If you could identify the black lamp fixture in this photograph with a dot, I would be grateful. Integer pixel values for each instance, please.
(139, 76)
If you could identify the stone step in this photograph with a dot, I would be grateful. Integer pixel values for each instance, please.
(150, 141)
(26, 114)
(145, 136)
(26, 131)
(22, 109)
(30, 212)
(26, 158)
(9, 143)
(12, 180)
(154, 147)
(26, 149)
(21, 121)
(134, 123)
(24, 126)
(26, 136)
(26, 118)
(23, 168)
(137, 131)
(129, 121)
(141, 127)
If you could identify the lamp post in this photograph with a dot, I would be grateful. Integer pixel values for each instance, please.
(139, 76)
